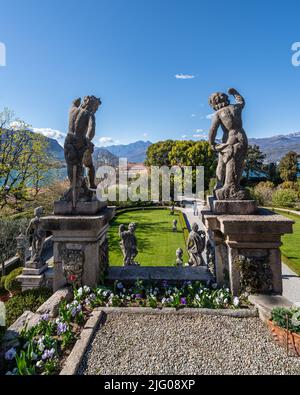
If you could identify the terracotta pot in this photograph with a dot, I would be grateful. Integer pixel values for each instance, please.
(280, 335)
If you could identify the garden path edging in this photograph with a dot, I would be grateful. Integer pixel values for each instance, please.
(74, 360)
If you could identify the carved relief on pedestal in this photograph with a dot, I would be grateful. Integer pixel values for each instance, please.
(255, 273)
(103, 257)
(211, 257)
(72, 258)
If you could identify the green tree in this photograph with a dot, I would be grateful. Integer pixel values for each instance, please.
(289, 167)
(183, 153)
(23, 162)
(254, 161)
(158, 153)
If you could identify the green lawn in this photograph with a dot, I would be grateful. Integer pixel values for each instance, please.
(291, 244)
(157, 243)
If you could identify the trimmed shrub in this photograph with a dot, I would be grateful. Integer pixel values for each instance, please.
(263, 192)
(289, 185)
(285, 198)
(11, 284)
(28, 300)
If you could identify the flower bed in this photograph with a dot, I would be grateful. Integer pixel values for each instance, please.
(44, 348)
(285, 328)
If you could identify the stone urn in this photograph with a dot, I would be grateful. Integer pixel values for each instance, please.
(284, 337)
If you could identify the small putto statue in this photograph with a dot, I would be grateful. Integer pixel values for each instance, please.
(175, 223)
(179, 256)
(196, 245)
(37, 233)
(128, 244)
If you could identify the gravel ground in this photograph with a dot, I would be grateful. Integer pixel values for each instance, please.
(168, 344)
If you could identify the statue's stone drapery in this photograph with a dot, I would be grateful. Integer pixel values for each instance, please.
(233, 149)
(196, 245)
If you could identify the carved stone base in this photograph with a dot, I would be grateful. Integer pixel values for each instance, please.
(31, 281)
(247, 250)
(80, 248)
(233, 207)
(82, 208)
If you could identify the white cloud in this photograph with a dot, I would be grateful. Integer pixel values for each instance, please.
(184, 76)
(210, 116)
(51, 133)
(199, 131)
(184, 136)
(145, 135)
(103, 141)
(193, 115)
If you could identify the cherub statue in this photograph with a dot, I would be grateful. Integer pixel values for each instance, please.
(175, 223)
(79, 147)
(196, 245)
(128, 244)
(38, 235)
(179, 256)
(233, 149)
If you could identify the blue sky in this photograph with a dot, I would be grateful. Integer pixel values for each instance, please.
(128, 53)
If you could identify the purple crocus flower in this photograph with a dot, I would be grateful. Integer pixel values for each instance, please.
(45, 317)
(165, 283)
(10, 354)
(138, 296)
(61, 328)
(183, 301)
(48, 354)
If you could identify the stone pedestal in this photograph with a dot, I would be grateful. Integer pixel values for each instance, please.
(247, 250)
(80, 247)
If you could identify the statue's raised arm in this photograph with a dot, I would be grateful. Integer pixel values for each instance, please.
(238, 97)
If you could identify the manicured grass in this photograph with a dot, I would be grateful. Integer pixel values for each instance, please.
(157, 243)
(291, 244)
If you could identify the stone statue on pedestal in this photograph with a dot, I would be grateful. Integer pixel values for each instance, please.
(128, 244)
(175, 223)
(79, 149)
(179, 256)
(233, 149)
(38, 234)
(196, 245)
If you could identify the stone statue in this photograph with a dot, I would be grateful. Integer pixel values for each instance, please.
(128, 244)
(196, 245)
(175, 223)
(179, 256)
(79, 148)
(38, 235)
(233, 149)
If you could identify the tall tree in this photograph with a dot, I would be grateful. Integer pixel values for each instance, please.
(289, 166)
(254, 161)
(183, 153)
(158, 153)
(23, 161)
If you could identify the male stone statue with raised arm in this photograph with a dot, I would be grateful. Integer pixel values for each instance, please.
(233, 149)
(79, 148)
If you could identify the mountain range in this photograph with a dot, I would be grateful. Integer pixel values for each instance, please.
(273, 147)
(276, 147)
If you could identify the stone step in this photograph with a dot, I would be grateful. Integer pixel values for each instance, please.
(266, 303)
(159, 273)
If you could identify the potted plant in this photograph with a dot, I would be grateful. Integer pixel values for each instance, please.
(285, 327)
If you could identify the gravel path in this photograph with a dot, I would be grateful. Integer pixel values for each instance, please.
(169, 344)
